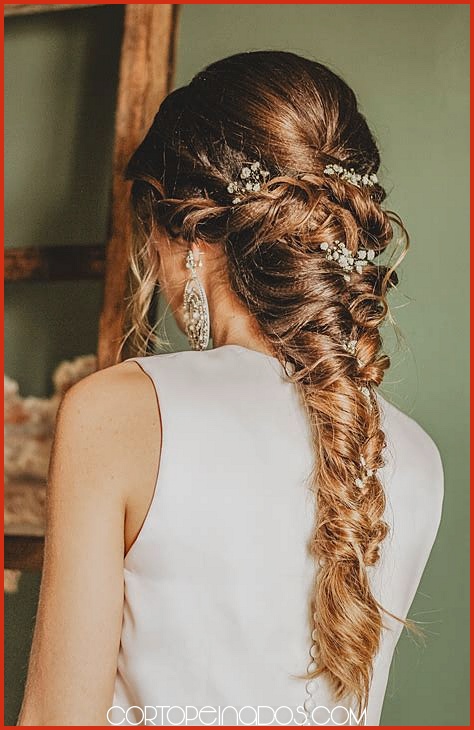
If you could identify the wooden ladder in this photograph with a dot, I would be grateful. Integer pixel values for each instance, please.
(145, 78)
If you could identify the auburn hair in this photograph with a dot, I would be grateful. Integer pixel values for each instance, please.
(295, 116)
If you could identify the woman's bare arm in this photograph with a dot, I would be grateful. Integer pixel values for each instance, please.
(101, 427)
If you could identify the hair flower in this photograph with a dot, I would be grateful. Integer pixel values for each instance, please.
(250, 180)
(351, 175)
(348, 261)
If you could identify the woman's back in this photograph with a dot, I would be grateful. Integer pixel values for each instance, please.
(217, 583)
(257, 209)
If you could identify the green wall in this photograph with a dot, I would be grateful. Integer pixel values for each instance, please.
(409, 67)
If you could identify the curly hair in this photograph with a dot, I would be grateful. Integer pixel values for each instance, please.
(295, 116)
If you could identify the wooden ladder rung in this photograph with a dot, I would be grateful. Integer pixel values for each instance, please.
(23, 552)
(29, 9)
(53, 263)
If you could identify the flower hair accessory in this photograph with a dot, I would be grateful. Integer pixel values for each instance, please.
(347, 260)
(367, 473)
(349, 345)
(351, 175)
(251, 178)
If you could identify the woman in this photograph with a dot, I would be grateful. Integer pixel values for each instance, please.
(275, 512)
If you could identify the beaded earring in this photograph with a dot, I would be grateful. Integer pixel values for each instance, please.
(195, 305)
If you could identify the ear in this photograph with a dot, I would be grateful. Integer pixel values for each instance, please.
(203, 252)
(197, 248)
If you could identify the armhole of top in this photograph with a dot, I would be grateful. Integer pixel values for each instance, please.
(144, 525)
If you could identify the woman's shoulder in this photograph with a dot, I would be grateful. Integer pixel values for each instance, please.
(118, 404)
(411, 435)
(122, 388)
(415, 461)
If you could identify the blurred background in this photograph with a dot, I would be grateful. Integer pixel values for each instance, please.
(408, 65)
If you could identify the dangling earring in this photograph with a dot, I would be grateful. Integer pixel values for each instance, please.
(196, 310)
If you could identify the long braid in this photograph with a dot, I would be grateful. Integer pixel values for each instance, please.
(308, 312)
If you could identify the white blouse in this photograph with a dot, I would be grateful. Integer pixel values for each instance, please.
(216, 627)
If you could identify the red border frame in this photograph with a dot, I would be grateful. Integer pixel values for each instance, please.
(192, 2)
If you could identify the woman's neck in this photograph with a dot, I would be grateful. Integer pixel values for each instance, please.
(232, 323)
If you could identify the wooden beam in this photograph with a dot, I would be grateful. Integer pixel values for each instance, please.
(24, 552)
(54, 263)
(145, 78)
(12, 9)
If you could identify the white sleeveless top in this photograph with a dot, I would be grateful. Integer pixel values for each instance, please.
(217, 581)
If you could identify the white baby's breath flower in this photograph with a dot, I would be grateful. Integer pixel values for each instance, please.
(250, 180)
